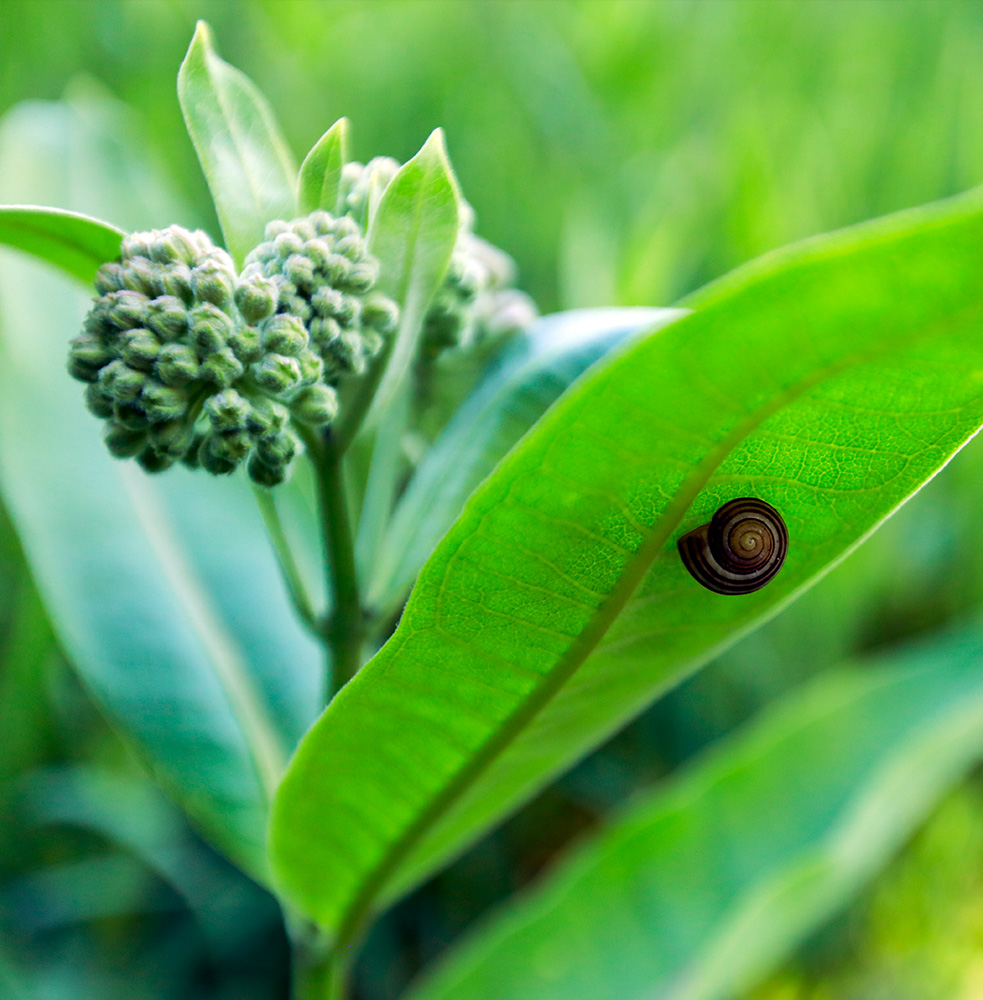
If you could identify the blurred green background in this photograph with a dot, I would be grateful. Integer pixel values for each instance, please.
(624, 152)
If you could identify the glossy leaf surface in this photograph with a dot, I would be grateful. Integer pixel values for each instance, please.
(831, 379)
(247, 162)
(705, 884)
(515, 393)
(76, 244)
(163, 591)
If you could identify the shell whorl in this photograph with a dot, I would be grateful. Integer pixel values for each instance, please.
(740, 550)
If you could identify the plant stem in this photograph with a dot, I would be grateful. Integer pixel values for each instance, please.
(288, 564)
(318, 972)
(344, 630)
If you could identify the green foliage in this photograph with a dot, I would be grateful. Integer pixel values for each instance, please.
(169, 597)
(511, 659)
(248, 164)
(702, 885)
(76, 243)
(320, 174)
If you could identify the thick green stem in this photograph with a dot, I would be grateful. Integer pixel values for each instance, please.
(318, 972)
(344, 630)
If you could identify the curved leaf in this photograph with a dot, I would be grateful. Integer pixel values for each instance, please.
(831, 380)
(704, 885)
(533, 373)
(163, 591)
(77, 244)
(247, 162)
(320, 173)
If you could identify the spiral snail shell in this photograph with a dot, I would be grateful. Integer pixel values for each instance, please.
(740, 550)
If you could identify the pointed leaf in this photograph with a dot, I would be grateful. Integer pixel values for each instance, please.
(75, 243)
(705, 884)
(247, 162)
(320, 173)
(831, 380)
(412, 233)
(163, 591)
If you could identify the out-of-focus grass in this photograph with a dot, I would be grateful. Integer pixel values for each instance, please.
(625, 152)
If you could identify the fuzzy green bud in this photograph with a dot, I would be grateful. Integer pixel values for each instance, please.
(285, 334)
(316, 405)
(124, 443)
(177, 365)
(168, 318)
(221, 367)
(255, 298)
(210, 328)
(278, 374)
(228, 411)
(161, 403)
(140, 349)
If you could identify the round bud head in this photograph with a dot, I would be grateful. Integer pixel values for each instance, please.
(228, 411)
(265, 475)
(162, 404)
(246, 343)
(124, 443)
(210, 328)
(213, 280)
(255, 297)
(140, 349)
(278, 374)
(153, 461)
(285, 334)
(221, 368)
(168, 318)
(316, 405)
(177, 364)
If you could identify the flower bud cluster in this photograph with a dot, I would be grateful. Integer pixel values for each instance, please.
(322, 278)
(186, 362)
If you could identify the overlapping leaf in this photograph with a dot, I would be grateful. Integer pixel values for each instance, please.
(831, 380)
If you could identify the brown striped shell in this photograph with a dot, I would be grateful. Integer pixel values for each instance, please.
(740, 550)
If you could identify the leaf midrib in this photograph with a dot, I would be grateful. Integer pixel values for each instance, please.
(586, 641)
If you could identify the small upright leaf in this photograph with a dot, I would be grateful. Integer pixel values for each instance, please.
(246, 160)
(76, 243)
(707, 882)
(412, 233)
(320, 173)
(830, 380)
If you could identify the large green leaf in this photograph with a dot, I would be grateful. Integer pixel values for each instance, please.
(76, 243)
(163, 591)
(831, 379)
(514, 393)
(705, 884)
(249, 167)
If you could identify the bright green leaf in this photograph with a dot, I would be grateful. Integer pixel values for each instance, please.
(247, 162)
(163, 591)
(75, 243)
(831, 379)
(320, 173)
(705, 884)
(509, 399)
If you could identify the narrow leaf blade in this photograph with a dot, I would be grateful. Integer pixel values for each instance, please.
(412, 232)
(76, 244)
(319, 181)
(247, 162)
(831, 380)
(704, 885)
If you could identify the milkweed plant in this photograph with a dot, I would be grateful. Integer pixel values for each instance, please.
(351, 347)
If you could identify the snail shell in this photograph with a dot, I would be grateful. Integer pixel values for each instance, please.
(740, 550)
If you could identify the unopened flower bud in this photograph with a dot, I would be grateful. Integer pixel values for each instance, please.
(210, 328)
(316, 405)
(213, 281)
(124, 443)
(285, 334)
(228, 411)
(278, 373)
(161, 403)
(221, 367)
(255, 298)
(140, 349)
(177, 364)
